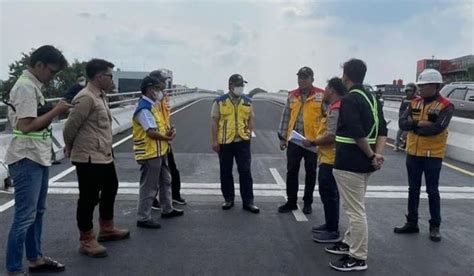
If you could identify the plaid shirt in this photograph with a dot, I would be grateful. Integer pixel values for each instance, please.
(285, 119)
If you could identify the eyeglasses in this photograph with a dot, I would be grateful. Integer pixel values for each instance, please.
(108, 75)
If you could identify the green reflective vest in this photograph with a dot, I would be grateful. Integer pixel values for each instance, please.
(372, 137)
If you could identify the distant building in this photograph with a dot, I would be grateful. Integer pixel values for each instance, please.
(457, 69)
(130, 81)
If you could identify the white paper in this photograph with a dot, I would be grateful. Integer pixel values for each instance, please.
(298, 139)
(295, 136)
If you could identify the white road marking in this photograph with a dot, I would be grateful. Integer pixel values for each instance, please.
(279, 180)
(253, 134)
(62, 174)
(272, 186)
(7, 205)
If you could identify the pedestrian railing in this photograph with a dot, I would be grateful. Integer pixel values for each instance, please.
(114, 100)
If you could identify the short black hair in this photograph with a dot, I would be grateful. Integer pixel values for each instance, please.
(336, 84)
(80, 75)
(355, 70)
(96, 66)
(48, 54)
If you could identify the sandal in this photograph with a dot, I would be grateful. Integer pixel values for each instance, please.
(49, 265)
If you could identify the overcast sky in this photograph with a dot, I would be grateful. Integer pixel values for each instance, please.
(204, 42)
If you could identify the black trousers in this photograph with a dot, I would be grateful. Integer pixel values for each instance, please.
(175, 176)
(98, 184)
(294, 154)
(329, 196)
(241, 152)
(431, 167)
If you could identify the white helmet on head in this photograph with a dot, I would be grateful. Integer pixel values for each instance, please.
(429, 76)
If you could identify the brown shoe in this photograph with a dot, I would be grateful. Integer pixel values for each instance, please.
(90, 246)
(109, 233)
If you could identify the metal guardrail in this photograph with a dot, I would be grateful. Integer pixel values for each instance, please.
(126, 98)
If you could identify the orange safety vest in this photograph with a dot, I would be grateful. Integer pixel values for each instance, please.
(427, 146)
(311, 111)
(327, 153)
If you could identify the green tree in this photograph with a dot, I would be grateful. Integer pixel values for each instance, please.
(56, 88)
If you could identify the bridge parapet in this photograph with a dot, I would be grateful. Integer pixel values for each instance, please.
(122, 107)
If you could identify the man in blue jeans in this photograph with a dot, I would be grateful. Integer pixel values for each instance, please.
(426, 119)
(29, 157)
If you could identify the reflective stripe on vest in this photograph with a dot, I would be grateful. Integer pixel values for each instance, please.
(39, 135)
(374, 132)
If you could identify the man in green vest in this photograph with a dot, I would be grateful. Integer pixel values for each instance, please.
(360, 139)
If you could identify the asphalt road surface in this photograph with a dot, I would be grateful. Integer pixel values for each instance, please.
(210, 241)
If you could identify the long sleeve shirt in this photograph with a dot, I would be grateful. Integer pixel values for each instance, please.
(441, 123)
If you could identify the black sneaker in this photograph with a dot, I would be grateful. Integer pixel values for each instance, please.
(287, 207)
(179, 201)
(434, 234)
(327, 237)
(348, 263)
(307, 209)
(319, 229)
(408, 228)
(172, 214)
(155, 205)
(339, 248)
(151, 224)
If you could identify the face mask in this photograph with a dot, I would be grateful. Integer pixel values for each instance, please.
(82, 83)
(239, 90)
(159, 96)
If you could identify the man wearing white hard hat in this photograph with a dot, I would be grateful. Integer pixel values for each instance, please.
(426, 120)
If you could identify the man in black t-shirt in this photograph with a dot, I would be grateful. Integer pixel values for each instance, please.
(360, 138)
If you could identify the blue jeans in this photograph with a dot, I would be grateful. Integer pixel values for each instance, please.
(31, 187)
(431, 167)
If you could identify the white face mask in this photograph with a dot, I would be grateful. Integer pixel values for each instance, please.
(82, 83)
(159, 96)
(239, 90)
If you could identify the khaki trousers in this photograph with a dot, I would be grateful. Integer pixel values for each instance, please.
(352, 187)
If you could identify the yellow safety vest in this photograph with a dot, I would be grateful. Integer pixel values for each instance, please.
(143, 146)
(427, 146)
(311, 111)
(327, 153)
(233, 119)
(374, 132)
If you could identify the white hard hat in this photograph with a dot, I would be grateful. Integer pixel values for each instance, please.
(429, 76)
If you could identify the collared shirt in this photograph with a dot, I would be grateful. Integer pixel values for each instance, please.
(285, 118)
(26, 95)
(145, 117)
(88, 129)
